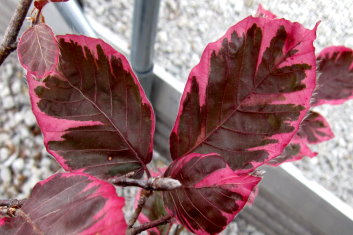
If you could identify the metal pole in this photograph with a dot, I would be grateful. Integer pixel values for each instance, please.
(72, 13)
(143, 38)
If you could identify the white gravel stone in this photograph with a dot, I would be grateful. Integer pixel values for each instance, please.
(45, 162)
(4, 154)
(16, 86)
(4, 92)
(30, 120)
(24, 133)
(4, 137)
(10, 160)
(18, 117)
(5, 175)
(8, 70)
(17, 165)
(28, 185)
(8, 102)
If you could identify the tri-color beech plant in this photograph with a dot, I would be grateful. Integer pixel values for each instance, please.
(246, 104)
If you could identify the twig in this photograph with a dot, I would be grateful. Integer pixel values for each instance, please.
(161, 184)
(9, 44)
(145, 194)
(12, 203)
(9, 207)
(179, 229)
(35, 228)
(152, 224)
(12, 208)
(125, 182)
(149, 185)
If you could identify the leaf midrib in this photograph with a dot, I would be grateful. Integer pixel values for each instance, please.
(40, 46)
(237, 107)
(110, 121)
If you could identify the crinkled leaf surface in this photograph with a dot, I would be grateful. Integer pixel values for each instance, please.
(69, 203)
(211, 195)
(261, 12)
(247, 96)
(313, 130)
(38, 50)
(39, 4)
(92, 111)
(335, 76)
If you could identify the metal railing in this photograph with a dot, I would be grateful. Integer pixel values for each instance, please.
(143, 37)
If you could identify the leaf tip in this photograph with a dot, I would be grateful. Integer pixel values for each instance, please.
(316, 25)
(262, 12)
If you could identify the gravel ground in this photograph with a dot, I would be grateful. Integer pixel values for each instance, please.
(23, 159)
(185, 28)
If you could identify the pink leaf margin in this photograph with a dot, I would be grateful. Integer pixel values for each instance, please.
(49, 125)
(322, 133)
(243, 184)
(111, 217)
(325, 130)
(304, 151)
(305, 37)
(262, 12)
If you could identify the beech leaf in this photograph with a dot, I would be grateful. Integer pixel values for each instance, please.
(38, 50)
(335, 76)
(249, 93)
(313, 130)
(211, 195)
(92, 111)
(69, 203)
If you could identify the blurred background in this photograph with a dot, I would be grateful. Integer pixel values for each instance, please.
(184, 29)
